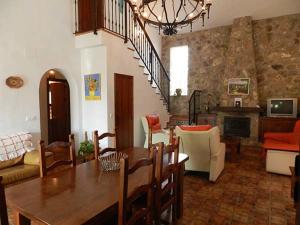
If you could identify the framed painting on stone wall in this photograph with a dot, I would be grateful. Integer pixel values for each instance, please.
(238, 86)
(92, 86)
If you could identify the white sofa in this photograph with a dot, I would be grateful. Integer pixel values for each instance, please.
(206, 152)
(157, 137)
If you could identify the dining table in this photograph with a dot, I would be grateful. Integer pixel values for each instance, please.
(80, 194)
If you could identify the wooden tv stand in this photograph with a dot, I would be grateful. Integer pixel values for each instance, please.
(275, 124)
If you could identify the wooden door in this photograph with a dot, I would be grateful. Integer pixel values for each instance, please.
(58, 110)
(124, 111)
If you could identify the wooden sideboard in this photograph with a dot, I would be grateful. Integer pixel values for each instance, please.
(275, 124)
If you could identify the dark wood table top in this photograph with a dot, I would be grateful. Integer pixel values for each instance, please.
(75, 195)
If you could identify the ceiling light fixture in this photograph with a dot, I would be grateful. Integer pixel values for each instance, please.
(171, 15)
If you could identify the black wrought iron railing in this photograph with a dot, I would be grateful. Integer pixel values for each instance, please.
(119, 17)
(194, 107)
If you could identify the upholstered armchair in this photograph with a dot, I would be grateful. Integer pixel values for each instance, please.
(281, 150)
(158, 134)
(206, 152)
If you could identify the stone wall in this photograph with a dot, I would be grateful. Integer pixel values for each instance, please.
(274, 60)
(277, 57)
(207, 51)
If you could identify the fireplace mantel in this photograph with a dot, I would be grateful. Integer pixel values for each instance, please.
(238, 109)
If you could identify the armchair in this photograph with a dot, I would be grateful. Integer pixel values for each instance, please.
(281, 150)
(206, 152)
(158, 134)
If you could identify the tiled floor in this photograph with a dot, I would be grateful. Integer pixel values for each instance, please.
(243, 195)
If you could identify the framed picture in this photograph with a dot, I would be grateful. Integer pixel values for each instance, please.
(92, 86)
(238, 86)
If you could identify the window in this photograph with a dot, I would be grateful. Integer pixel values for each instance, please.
(179, 69)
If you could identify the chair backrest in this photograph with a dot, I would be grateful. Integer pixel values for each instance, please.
(97, 150)
(199, 145)
(126, 200)
(167, 177)
(3, 207)
(57, 147)
(297, 127)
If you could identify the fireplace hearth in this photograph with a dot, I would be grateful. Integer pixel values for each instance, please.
(237, 126)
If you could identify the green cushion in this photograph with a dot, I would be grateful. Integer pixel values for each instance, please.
(20, 172)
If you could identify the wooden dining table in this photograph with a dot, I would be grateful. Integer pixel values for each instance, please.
(78, 195)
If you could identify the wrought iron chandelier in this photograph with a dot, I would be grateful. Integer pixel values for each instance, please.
(171, 15)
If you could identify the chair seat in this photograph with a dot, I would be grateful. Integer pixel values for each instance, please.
(279, 145)
(17, 173)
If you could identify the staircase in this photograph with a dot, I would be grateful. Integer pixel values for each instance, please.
(194, 107)
(119, 18)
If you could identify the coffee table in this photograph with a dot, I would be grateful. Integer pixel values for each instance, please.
(233, 144)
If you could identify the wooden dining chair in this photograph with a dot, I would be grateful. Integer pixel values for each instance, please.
(167, 181)
(3, 207)
(54, 148)
(97, 150)
(171, 137)
(143, 214)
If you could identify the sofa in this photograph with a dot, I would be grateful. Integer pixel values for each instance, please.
(206, 152)
(158, 134)
(18, 159)
(281, 149)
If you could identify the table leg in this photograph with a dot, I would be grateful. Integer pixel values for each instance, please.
(180, 191)
(20, 219)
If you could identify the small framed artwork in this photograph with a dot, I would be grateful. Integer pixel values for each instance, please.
(238, 102)
(92, 86)
(238, 86)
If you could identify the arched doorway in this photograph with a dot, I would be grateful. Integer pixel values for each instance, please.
(54, 107)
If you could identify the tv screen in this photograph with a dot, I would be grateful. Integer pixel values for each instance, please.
(282, 106)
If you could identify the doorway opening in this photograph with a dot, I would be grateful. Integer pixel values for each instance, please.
(55, 116)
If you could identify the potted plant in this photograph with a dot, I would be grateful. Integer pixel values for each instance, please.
(86, 149)
(178, 92)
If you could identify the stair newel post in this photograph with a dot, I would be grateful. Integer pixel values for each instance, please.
(76, 17)
(95, 16)
(125, 15)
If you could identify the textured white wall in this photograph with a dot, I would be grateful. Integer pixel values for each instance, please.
(119, 60)
(36, 35)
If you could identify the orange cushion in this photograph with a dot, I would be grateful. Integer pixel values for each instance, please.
(153, 122)
(278, 145)
(196, 128)
(297, 127)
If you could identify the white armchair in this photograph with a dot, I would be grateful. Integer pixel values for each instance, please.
(157, 137)
(206, 152)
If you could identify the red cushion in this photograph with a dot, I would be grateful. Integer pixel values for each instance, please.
(273, 145)
(196, 128)
(297, 127)
(153, 122)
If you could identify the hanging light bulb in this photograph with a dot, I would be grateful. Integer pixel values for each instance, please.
(159, 18)
(191, 15)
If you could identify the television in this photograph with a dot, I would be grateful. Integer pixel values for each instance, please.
(282, 107)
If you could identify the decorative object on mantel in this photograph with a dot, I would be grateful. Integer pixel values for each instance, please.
(14, 82)
(238, 86)
(238, 102)
(178, 92)
(170, 15)
(239, 110)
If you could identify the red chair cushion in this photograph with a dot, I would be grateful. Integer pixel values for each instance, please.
(297, 127)
(153, 122)
(196, 128)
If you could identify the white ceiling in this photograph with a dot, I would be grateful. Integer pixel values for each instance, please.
(224, 11)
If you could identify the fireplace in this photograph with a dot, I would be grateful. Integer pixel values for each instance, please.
(237, 126)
